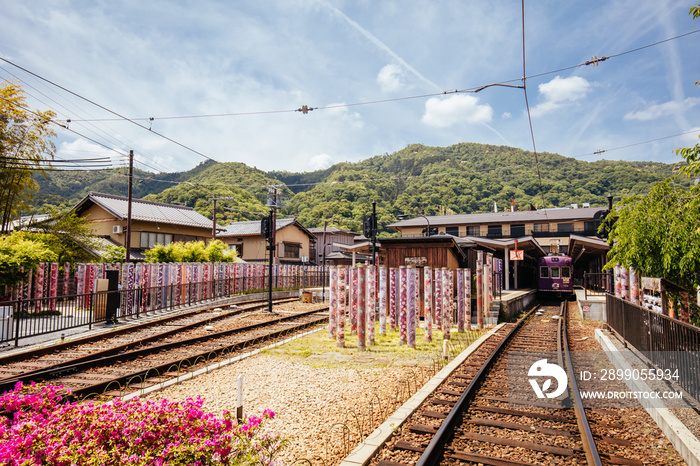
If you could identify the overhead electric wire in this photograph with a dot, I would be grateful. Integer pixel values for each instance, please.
(107, 109)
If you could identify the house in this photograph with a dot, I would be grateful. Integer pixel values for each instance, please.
(293, 241)
(151, 222)
(338, 244)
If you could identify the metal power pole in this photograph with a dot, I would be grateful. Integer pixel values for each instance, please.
(127, 234)
(272, 257)
(374, 232)
(213, 226)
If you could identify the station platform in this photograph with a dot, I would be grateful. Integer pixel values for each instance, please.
(592, 306)
(513, 302)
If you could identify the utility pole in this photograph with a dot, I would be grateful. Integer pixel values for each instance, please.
(271, 237)
(213, 226)
(127, 233)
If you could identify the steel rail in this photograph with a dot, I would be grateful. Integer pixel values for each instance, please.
(100, 360)
(435, 449)
(142, 375)
(589, 446)
(124, 347)
(18, 356)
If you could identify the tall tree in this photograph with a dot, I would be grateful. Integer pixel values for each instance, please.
(25, 143)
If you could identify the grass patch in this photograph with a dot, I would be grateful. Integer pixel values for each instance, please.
(319, 350)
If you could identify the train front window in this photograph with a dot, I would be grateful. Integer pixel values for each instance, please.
(555, 272)
(544, 272)
(565, 272)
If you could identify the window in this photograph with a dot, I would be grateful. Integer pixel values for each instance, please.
(495, 231)
(473, 230)
(565, 227)
(555, 272)
(544, 272)
(517, 230)
(148, 240)
(541, 227)
(454, 231)
(291, 250)
(565, 272)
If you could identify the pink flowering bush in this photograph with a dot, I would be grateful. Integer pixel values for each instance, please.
(40, 429)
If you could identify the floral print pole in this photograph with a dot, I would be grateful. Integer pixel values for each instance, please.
(468, 297)
(624, 283)
(618, 282)
(460, 300)
(411, 306)
(438, 299)
(370, 301)
(333, 303)
(382, 300)
(480, 289)
(393, 304)
(361, 309)
(340, 293)
(403, 296)
(353, 300)
(428, 302)
(634, 286)
(446, 303)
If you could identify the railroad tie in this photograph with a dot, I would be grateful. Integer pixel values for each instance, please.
(487, 460)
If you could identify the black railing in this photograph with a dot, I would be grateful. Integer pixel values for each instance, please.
(25, 318)
(671, 345)
(597, 284)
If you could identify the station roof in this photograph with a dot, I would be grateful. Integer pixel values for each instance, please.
(520, 216)
(526, 243)
(145, 211)
(583, 245)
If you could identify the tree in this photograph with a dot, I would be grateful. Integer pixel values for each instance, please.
(24, 145)
(692, 154)
(18, 256)
(193, 251)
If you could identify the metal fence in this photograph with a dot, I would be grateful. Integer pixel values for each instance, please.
(668, 343)
(25, 318)
(597, 284)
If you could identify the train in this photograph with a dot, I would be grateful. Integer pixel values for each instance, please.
(555, 274)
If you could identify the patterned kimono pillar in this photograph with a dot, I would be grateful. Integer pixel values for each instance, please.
(634, 286)
(147, 280)
(91, 282)
(403, 297)
(332, 301)
(53, 285)
(446, 303)
(428, 302)
(411, 306)
(393, 302)
(624, 283)
(340, 294)
(66, 279)
(130, 281)
(39, 286)
(468, 297)
(460, 300)
(618, 282)
(371, 300)
(438, 299)
(353, 299)
(361, 309)
(480, 289)
(416, 279)
(488, 283)
(382, 300)
(79, 283)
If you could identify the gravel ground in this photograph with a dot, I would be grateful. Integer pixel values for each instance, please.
(314, 406)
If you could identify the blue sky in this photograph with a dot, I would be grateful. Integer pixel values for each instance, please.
(374, 68)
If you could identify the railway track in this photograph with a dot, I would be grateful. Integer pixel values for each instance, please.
(489, 412)
(149, 360)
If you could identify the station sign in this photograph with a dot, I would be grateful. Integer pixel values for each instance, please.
(517, 255)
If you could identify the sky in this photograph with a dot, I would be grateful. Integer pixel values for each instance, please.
(223, 79)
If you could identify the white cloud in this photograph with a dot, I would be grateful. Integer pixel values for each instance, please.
(506, 115)
(320, 161)
(660, 110)
(559, 92)
(443, 112)
(390, 78)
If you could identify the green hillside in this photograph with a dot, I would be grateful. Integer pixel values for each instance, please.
(417, 180)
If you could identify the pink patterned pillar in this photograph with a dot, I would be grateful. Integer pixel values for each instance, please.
(438, 299)
(618, 281)
(460, 300)
(468, 297)
(66, 279)
(411, 306)
(446, 303)
(403, 297)
(340, 294)
(624, 283)
(393, 302)
(361, 309)
(353, 300)
(53, 285)
(634, 286)
(332, 301)
(428, 302)
(371, 299)
(382, 300)
(480, 289)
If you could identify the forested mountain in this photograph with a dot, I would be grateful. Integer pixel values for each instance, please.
(417, 180)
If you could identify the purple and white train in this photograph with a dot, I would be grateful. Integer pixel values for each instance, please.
(556, 274)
